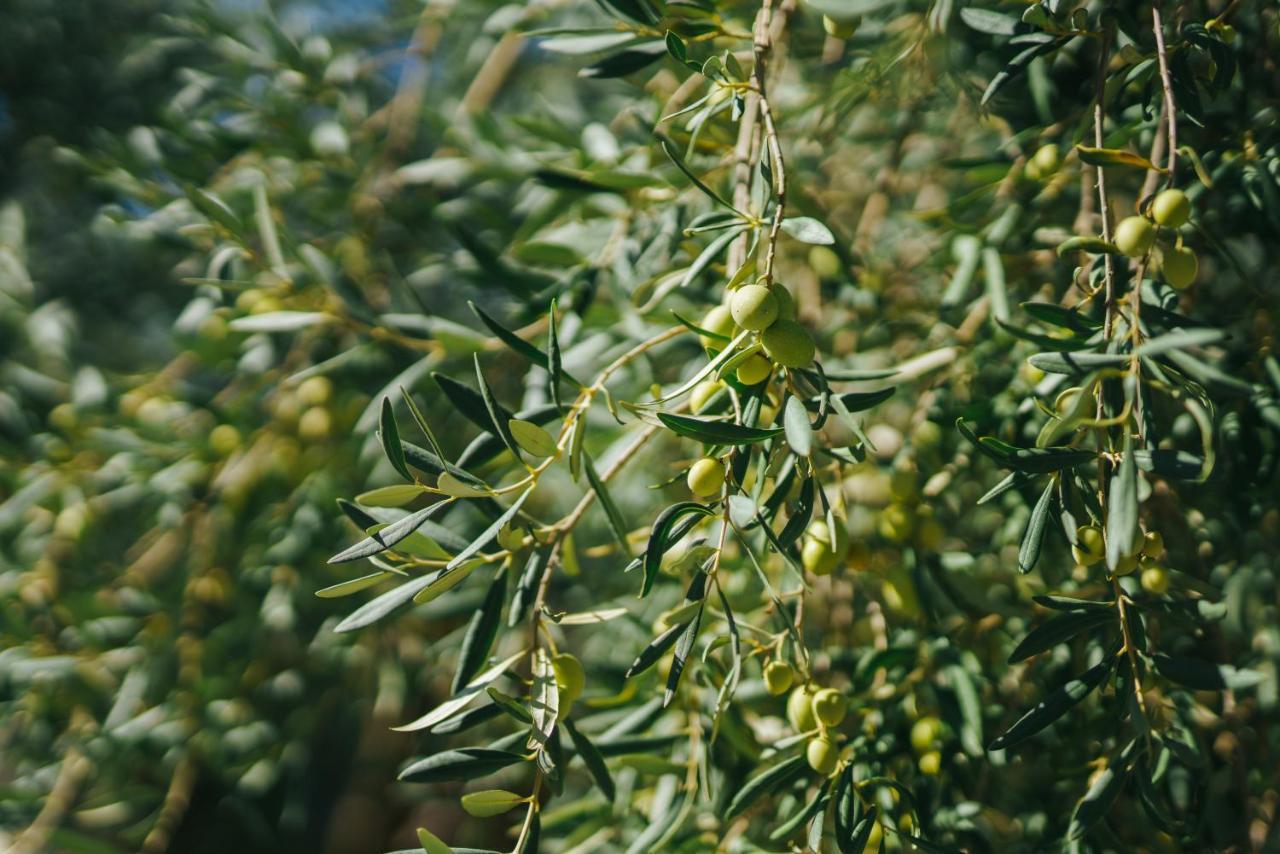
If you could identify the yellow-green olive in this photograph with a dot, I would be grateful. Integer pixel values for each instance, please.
(789, 344)
(823, 755)
(706, 477)
(1134, 236)
(754, 307)
(830, 707)
(778, 676)
(1171, 208)
(754, 370)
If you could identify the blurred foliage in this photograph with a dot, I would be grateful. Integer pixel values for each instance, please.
(437, 262)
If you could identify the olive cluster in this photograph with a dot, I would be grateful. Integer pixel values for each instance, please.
(1145, 551)
(810, 710)
(1136, 235)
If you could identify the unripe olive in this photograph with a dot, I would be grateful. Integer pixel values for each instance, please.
(1155, 580)
(1134, 236)
(924, 733)
(895, 523)
(570, 680)
(1089, 547)
(930, 763)
(786, 303)
(706, 477)
(1171, 208)
(840, 29)
(314, 391)
(511, 539)
(830, 707)
(789, 344)
(703, 393)
(825, 262)
(823, 755)
(778, 676)
(1152, 544)
(754, 370)
(754, 307)
(224, 439)
(1046, 159)
(1126, 565)
(800, 709)
(720, 321)
(315, 424)
(1180, 266)
(816, 557)
(926, 435)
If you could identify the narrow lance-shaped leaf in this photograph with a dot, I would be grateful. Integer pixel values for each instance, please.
(1056, 704)
(1058, 630)
(1122, 507)
(660, 539)
(1037, 525)
(481, 632)
(544, 703)
(656, 647)
(769, 780)
(684, 646)
(611, 511)
(499, 417)
(795, 421)
(716, 432)
(555, 369)
(390, 535)
(467, 763)
(1102, 794)
(389, 434)
(592, 759)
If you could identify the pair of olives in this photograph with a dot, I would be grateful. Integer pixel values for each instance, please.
(1135, 235)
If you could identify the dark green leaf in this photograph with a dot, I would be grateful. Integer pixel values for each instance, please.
(1056, 704)
(481, 633)
(592, 759)
(764, 783)
(651, 653)
(660, 539)
(716, 432)
(1058, 630)
(390, 535)
(1033, 537)
(616, 523)
(467, 763)
(389, 434)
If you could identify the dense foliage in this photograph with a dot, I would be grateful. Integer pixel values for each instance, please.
(835, 425)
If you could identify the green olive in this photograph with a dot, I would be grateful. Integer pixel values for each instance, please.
(1180, 266)
(924, 734)
(1155, 580)
(786, 303)
(1134, 236)
(789, 344)
(1089, 547)
(703, 393)
(830, 707)
(754, 370)
(778, 676)
(570, 680)
(1152, 544)
(754, 307)
(720, 321)
(1171, 208)
(1046, 160)
(823, 755)
(315, 425)
(706, 477)
(930, 763)
(800, 709)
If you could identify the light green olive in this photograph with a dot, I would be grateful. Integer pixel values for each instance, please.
(754, 307)
(706, 477)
